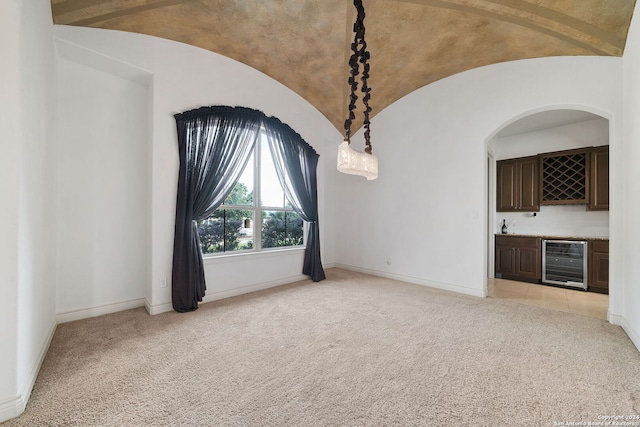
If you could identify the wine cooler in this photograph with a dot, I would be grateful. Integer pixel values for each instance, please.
(564, 262)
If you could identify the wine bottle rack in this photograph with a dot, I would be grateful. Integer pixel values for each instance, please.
(564, 179)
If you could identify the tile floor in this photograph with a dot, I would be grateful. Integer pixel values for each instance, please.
(573, 301)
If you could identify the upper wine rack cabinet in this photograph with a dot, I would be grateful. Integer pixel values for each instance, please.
(564, 177)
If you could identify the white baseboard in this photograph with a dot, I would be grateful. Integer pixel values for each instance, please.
(628, 329)
(86, 313)
(11, 408)
(215, 296)
(157, 308)
(417, 281)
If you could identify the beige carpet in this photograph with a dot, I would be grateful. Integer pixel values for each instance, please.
(353, 350)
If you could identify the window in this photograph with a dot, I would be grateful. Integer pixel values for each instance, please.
(257, 194)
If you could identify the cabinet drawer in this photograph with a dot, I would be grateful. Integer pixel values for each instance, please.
(599, 245)
(518, 241)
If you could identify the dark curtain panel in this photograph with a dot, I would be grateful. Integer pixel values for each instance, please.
(296, 164)
(214, 145)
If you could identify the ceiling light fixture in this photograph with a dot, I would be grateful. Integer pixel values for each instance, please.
(350, 161)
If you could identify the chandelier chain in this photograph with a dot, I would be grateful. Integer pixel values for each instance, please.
(359, 56)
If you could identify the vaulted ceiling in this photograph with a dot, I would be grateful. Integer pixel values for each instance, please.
(305, 44)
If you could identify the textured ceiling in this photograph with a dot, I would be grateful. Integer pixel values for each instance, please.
(304, 44)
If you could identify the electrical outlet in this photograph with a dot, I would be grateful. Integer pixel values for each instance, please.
(163, 283)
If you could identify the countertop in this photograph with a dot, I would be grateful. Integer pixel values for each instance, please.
(553, 237)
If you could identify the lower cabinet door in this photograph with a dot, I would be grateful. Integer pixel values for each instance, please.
(519, 258)
(599, 266)
(528, 262)
(505, 260)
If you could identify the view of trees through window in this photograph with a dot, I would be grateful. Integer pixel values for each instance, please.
(257, 194)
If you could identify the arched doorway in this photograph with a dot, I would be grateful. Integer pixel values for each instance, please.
(533, 133)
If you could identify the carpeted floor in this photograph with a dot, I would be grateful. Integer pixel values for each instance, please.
(353, 350)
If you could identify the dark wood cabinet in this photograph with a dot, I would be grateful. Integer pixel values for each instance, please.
(518, 258)
(506, 186)
(518, 185)
(564, 177)
(573, 177)
(598, 266)
(599, 179)
(505, 259)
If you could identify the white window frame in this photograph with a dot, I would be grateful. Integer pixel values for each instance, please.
(257, 211)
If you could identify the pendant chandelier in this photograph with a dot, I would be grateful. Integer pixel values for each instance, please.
(351, 161)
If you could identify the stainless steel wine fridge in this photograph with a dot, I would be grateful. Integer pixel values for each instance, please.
(564, 262)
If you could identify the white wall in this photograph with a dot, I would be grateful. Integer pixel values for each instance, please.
(10, 116)
(630, 247)
(103, 191)
(567, 220)
(590, 133)
(208, 79)
(36, 236)
(27, 271)
(558, 221)
(427, 212)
